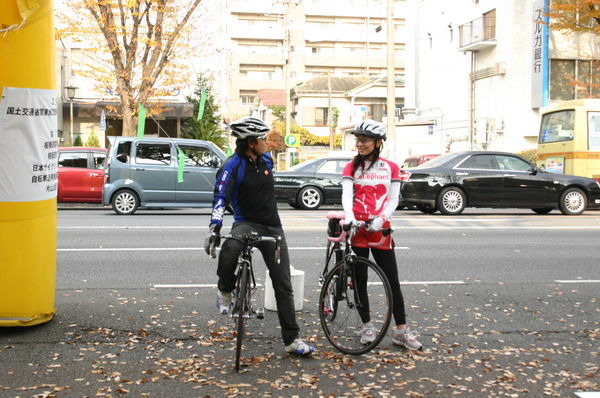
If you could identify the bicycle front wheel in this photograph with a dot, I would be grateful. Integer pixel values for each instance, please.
(354, 295)
(243, 307)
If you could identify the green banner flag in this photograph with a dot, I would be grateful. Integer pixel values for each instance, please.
(141, 121)
(181, 163)
(201, 105)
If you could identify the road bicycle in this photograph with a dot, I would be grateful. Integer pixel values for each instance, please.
(245, 287)
(354, 291)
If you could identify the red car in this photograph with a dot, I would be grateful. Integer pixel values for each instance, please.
(80, 174)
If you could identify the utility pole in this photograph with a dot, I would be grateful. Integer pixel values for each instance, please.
(391, 82)
(367, 37)
(286, 77)
(329, 118)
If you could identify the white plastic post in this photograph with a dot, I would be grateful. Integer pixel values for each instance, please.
(297, 286)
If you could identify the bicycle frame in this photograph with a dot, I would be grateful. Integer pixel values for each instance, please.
(346, 254)
(246, 283)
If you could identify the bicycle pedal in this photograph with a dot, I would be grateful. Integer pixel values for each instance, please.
(260, 313)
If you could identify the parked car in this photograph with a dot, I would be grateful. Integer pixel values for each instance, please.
(415, 161)
(80, 174)
(452, 182)
(310, 184)
(144, 172)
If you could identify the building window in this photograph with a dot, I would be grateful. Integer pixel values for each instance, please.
(489, 25)
(247, 99)
(573, 79)
(321, 49)
(259, 72)
(321, 115)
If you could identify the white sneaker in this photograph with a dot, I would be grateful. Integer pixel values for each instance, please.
(367, 333)
(406, 338)
(223, 302)
(299, 347)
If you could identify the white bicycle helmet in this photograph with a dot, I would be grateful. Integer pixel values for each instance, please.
(371, 128)
(249, 127)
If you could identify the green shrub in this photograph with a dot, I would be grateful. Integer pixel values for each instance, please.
(93, 141)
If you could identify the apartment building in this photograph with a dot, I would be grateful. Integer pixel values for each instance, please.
(277, 44)
(481, 70)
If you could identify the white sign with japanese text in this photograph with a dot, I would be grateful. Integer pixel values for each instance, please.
(28, 145)
(538, 54)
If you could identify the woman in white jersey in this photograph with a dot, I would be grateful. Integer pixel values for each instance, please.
(371, 188)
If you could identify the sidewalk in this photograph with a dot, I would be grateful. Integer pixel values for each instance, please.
(171, 343)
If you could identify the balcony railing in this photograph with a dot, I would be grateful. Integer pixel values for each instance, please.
(478, 34)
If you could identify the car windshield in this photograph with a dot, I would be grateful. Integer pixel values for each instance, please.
(440, 160)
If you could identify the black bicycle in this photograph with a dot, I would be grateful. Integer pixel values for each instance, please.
(245, 287)
(354, 292)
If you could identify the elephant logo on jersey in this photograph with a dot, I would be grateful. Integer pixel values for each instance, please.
(371, 197)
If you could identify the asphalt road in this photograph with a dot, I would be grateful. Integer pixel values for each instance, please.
(505, 301)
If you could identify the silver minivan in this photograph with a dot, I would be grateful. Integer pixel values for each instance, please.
(145, 172)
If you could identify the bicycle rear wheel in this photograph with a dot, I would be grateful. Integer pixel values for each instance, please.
(353, 294)
(243, 307)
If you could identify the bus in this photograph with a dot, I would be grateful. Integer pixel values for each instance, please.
(569, 140)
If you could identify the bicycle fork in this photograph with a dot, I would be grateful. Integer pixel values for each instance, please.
(250, 290)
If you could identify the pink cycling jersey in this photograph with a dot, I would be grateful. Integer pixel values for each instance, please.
(371, 187)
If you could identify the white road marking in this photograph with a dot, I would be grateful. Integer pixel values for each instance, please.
(167, 286)
(133, 249)
(139, 249)
(213, 285)
(578, 281)
(588, 394)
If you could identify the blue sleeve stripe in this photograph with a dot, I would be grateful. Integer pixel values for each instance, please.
(221, 189)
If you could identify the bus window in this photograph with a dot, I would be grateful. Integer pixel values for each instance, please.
(594, 131)
(557, 126)
(569, 141)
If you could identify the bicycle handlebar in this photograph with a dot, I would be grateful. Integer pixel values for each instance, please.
(348, 230)
(250, 239)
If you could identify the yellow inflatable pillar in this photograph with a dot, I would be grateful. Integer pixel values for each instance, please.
(28, 163)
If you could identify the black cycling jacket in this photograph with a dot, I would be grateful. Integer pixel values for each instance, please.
(249, 187)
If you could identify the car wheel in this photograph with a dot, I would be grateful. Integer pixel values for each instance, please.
(310, 198)
(451, 201)
(125, 202)
(293, 204)
(573, 202)
(427, 209)
(542, 211)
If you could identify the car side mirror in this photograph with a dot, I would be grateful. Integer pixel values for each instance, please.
(533, 171)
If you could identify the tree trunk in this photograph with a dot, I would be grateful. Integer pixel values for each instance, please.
(129, 124)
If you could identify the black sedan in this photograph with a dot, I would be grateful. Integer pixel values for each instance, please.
(454, 181)
(310, 184)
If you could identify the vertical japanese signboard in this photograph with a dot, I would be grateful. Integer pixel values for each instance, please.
(539, 67)
(28, 145)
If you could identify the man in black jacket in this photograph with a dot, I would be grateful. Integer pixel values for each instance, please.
(246, 182)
